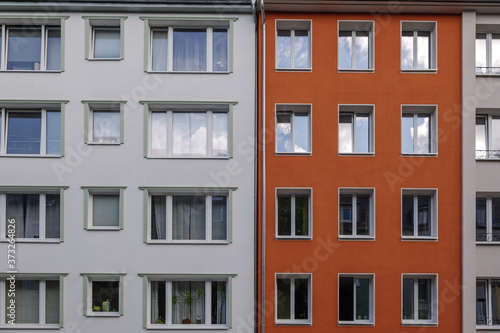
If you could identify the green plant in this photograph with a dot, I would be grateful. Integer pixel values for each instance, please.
(160, 320)
(106, 306)
(96, 308)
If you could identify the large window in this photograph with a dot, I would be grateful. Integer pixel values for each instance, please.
(293, 45)
(488, 53)
(104, 37)
(293, 299)
(355, 45)
(356, 213)
(196, 301)
(183, 131)
(103, 208)
(418, 129)
(356, 303)
(488, 302)
(487, 218)
(419, 214)
(293, 129)
(418, 46)
(420, 301)
(356, 130)
(487, 136)
(293, 213)
(104, 294)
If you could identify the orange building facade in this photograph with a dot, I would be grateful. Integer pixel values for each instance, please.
(360, 217)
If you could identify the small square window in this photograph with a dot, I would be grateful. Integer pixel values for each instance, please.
(104, 38)
(356, 130)
(355, 45)
(293, 129)
(418, 46)
(419, 130)
(104, 295)
(293, 299)
(356, 301)
(293, 213)
(293, 45)
(420, 302)
(419, 214)
(104, 122)
(488, 218)
(356, 213)
(487, 52)
(103, 208)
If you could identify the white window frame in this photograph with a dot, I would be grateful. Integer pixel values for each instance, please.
(488, 118)
(292, 25)
(292, 277)
(417, 110)
(485, 29)
(88, 278)
(41, 278)
(293, 192)
(416, 27)
(208, 279)
(348, 109)
(489, 312)
(370, 321)
(415, 192)
(106, 106)
(93, 23)
(89, 202)
(354, 191)
(292, 109)
(489, 217)
(353, 27)
(434, 301)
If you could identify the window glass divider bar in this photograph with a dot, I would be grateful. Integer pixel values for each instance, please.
(42, 292)
(210, 138)
(170, 49)
(3, 48)
(169, 219)
(42, 218)
(208, 212)
(209, 55)
(43, 48)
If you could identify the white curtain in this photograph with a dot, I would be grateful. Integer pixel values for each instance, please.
(219, 218)
(24, 208)
(183, 309)
(27, 302)
(159, 217)
(190, 50)
(159, 50)
(188, 217)
(52, 302)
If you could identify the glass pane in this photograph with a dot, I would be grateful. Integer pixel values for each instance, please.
(105, 296)
(302, 215)
(362, 299)
(53, 132)
(481, 138)
(52, 302)
(407, 50)
(27, 301)
(302, 57)
(220, 50)
(190, 134)
(219, 134)
(188, 218)
(106, 126)
(424, 299)
(283, 132)
(107, 43)
(363, 214)
(408, 215)
(407, 134)
(362, 51)
(495, 302)
(159, 134)
(219, 217)
(423, 132)
(346, 299)
(301, 134)
(345, 133)
(219, 309)
(345, 49)
(408, 301)
(188, 302)
(159, 50)
(283, 299)
(301, 299)
(481, 314)
(24, 48)
(158, 217)
(424, 215)
(54, 49)
(284, 215)
(495, 220)
(481, 53)
(495, 53)
(24, 132)
(283, 55)
(158, 302)
(423, 49)
(190, 50)
(106, 210)
(362, 133)
(52, 215)
(495, 134)
(24, 209)
(481, 220)
(345, 214)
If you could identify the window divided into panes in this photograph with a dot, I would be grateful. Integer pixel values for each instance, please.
(356, 129)
(487, 53)
(420, 304)
(355, 45)
(419, 214)
(356, 303)
(293, 299)
(419, 129)
(293, 213)
(356, 213)
(487, 136)
(293, 129)
(418, 46)
(487, 218)
(488, 302)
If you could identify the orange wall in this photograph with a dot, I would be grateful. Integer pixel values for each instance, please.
(388, 256)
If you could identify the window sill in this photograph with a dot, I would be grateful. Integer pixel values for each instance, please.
(293, 154)
(488, 243)
(487, 328)
(182, 72)
(353, 70)
(356, 238)
(187, 327)
(293, 323)
(29, 327)
(103, 228)
(185, 242)
(356, 323)
(487, 159)
(103, 314)
(188, 158)
(419, 155)
(293, 70)
(419, 238)
(104, 59)
(104, 143)
(30, 71)
(33, 240)
(417, 71)
(357, 154)
(292, 238)
(488, 75)
(31, 156)
(418, 323)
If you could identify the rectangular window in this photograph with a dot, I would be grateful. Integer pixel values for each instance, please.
(104, 37)
(487, 136)
(195, 301)
(418, 46)
(187, 46)
(487, 219)
(293, 129)
(104, 122)
(293, 214)
(488, 53)
(420, 302)
(356, 303)
(355, 45)
(419, 130)
(293, 45)
(356, 213)
(356, 130)
(419, 214)
(103, 208)
(293, 299)
(104, 295)
(488, 302)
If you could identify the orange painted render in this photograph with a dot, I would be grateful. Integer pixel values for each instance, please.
(387, 257)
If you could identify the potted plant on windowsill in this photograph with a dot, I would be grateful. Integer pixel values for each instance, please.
(188, 300)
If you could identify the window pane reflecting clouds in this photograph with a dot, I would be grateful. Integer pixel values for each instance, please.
(407, 50)
(190, 50)
(302, 49)
(106, 127)
(189, 134)
(345, 134)
(362, 49)
(220, 130)
(284, 43)
(301, 132)
(159, 134)
(407, 134)
(283, 132)
(345, 49)
(159, 51)
(220, 50)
